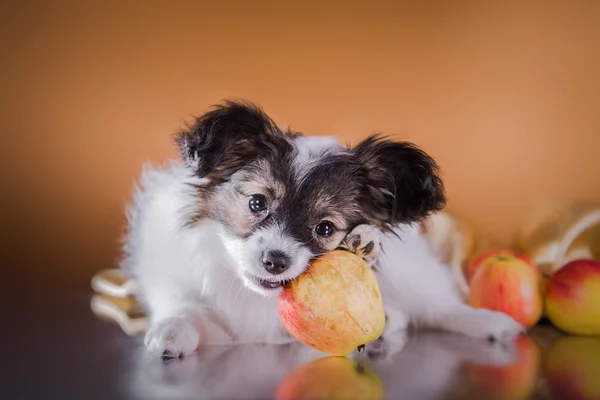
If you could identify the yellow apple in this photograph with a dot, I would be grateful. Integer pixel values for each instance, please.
(331, 378)
(335, 306)
(508, 282)
(572, 368)
(573, 298)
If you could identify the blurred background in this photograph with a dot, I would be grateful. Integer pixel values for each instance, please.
(504, 96)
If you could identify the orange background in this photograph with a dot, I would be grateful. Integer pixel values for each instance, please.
(505, 97)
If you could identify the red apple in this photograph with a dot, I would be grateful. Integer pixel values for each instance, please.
(573, 297)
(335, 306)
(514, 381)
(508, 282)
(494, 254)
(331, 378)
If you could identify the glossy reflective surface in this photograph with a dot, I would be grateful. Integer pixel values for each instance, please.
(66, 352)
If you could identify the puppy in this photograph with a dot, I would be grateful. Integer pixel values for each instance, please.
(214, 236)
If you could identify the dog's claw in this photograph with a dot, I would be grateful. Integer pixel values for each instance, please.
(167, 355)
(363, 241)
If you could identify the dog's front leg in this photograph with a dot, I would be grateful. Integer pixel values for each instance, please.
(179, 330)
(477, 323)
(172, 337)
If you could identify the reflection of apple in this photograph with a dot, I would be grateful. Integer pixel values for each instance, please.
(514, 381)
(508, 282)
(335, 306)
(331, 378)
(572, 368)
(573, 297)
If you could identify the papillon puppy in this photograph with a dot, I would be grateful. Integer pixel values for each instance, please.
(214, 236)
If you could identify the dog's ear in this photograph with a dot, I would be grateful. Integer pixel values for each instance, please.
(401, 183)
(226, 138)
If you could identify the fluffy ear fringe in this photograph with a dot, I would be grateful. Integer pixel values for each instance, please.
(402, 181)
(226, 138)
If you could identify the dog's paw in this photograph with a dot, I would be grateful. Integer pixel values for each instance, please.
(364, 242)
(172, 337)
(377, 349)
(386, 346)
(491, 325)
(382, 349)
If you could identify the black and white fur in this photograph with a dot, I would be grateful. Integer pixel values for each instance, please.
(214, 236)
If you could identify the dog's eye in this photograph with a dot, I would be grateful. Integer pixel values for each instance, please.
(324, 228)
(257, 203)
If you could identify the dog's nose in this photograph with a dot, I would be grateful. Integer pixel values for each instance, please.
(275, 262)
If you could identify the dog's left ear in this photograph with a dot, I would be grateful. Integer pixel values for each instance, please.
(401, 183)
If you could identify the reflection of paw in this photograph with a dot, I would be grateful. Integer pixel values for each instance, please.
(477, 351)
(364, 242)
(172, 337)
(498, 354)
(491, 325)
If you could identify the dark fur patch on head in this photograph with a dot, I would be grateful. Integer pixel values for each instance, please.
(329, 192)
(297, 202)
(228, 137)
(242, 153)
(402, 183)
